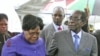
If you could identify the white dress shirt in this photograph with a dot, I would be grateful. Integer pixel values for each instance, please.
(56, 27)
(79, 34)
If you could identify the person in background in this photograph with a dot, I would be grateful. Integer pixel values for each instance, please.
(66, 22)
(4, 33)
(48, 31)
(27, 43)
(96, 33)
(40, 22)
(75, 41)
(85, 27)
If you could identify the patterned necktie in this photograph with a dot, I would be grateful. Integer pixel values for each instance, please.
(59, 28)
(76, 45)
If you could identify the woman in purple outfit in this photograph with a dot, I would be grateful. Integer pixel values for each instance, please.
(27, 43)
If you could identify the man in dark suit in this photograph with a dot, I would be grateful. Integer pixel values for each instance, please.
(48, 31)
(74, 42)
(96, 33)
(4, 33)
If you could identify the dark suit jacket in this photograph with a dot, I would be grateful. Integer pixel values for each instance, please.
(97, 35)
(7, 35)
(62, 45)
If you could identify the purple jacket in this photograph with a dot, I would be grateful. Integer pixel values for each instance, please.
(18, 46)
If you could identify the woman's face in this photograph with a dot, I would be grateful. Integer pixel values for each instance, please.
(3, 26)
(32, 35)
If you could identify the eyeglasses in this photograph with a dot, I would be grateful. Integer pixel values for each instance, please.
(75, 17)
(33, 33)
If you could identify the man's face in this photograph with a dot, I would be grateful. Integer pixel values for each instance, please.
(32, 35)
(3, 26)
(58, 16)
(75, 22)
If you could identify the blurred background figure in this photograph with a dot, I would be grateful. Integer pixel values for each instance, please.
(27, 43)
(96, 33)
(40, 22)
(66, 22)
(4, 33)
(14, 24)
(90, 28)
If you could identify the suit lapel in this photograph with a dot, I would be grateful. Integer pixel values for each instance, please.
(69, 39)
(83, 40)
(50, 32)
(52, 29)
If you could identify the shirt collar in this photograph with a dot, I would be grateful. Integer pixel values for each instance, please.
(56, 26)
(79, 33)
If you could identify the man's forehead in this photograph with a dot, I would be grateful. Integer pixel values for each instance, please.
(58, 9)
